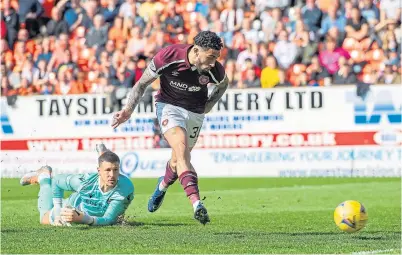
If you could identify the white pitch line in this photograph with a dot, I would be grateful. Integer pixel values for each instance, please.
(373, 252)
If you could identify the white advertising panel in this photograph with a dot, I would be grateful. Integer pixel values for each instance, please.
(259, 121)
(339, 161)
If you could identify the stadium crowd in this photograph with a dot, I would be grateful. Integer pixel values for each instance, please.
(102, 46)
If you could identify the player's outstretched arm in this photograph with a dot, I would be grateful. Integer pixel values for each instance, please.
(134, 97)
(61, 183)
(216, 94)
(115, 209)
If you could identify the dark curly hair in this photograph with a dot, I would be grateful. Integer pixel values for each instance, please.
(208, 40)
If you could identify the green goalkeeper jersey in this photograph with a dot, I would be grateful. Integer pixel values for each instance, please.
(88, 197)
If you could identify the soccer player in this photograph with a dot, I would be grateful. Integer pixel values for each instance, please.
(97, 199)
(185, 72)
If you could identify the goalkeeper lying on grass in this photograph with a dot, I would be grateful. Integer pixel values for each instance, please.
(98, 198)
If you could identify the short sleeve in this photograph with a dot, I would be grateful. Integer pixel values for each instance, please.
(160, 61)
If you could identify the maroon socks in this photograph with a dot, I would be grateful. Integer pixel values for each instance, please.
(189, 181)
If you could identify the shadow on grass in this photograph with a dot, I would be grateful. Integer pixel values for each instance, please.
(158, 224)
(272, 233)
(366, 236)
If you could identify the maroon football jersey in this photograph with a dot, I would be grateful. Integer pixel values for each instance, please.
(180, 83)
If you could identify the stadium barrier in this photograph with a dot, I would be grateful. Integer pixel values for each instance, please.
(313, 131)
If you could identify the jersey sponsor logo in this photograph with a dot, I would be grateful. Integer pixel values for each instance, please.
(203, 79)
(194, 88)
(179, 85)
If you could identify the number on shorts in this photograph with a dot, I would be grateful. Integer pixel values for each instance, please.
(196, 131)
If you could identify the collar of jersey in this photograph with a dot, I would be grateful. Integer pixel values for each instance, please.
(187, 61)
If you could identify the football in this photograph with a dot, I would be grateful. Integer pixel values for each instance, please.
(350, 216)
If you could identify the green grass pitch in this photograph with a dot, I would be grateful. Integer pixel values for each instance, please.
(248, 215)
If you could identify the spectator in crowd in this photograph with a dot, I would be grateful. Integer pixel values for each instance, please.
(232, 17)
(59, 52)
(285, 51)
(271, 20)
(370, 12)
(213, 19)
(136, 44)
(41, 77)
(265, 4)
(249, 65)
(66, 84)
(116, 32)
(45, 53)
(294, 16)
(301, 38)
(356, 26)
(301, 80)
(174, 23)
(149, 9)
(249, 53)
(29, 70)
(251, 31)
(56, 25)
(250, 81)
(231, 73)
(73, 14)
(202, 7)
(270, 73)
(10, 17)
(333, 19)
(390, 76)
(336, 35)
(389, 41)
(312, 15)
(344, 75)
(97, 35)
(126, 10)
(110, 11)
(68, 62)
(29, 12)
(317, 72)
(330, 56)
(91, 8)
(390, 11)
(103, 46)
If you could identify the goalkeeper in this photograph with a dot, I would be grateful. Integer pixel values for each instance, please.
(97, 198)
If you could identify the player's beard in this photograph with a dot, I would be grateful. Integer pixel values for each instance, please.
(198, 66)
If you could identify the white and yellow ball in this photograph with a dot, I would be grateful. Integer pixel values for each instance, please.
(350, 216)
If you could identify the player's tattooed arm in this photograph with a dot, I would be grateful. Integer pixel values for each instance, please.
(135, 95)
(138, 90)
(216, 94)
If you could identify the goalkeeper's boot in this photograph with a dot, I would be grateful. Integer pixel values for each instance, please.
(157, 197)
(101, 148)
(201, 214)
(32, 177)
